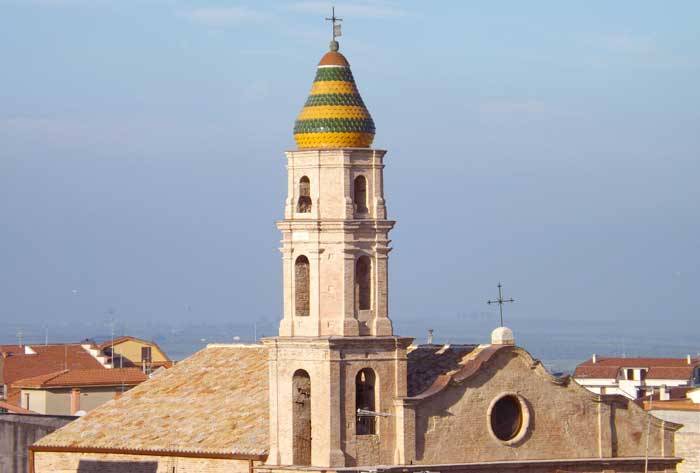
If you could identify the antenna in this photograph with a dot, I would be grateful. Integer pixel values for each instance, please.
(20, 338)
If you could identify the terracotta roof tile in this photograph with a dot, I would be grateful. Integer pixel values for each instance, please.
(48, 359)
(670, 372)
(92, 377)
(427, 362)
(6, 406)
(11, 349)
(333, 58)
(659, 368)
(216, 401)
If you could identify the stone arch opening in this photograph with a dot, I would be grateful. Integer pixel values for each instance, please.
(301, 417)
(304, 202)
(363, 283)
(301, 286)
(365, 400)
(360, 195)
(508, 418)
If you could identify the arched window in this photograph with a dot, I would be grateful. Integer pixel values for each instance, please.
(360, 195)
(363, 283)
(304, 203)
(301, 418)
(301, 286)
(365, 400)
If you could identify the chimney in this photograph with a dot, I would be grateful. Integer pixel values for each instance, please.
(430, 337)
(74, 401)
(687, 358)
(594, 358)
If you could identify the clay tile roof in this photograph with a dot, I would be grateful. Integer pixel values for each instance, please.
(658, 368)
(48, 359)
(11, 349)
(427, 362)
(333, 58)
(670, 372)
(6, 406)
(594, 371)
(91, 377)
(215, 401)
(671, 405)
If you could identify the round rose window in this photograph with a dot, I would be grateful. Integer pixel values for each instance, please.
(506, 418)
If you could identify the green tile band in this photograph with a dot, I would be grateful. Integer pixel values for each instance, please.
(334, 125)
(333, 73)
(334, 99)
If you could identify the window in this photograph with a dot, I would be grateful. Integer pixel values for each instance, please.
(146, 354)
(506, 418)
(301, 286)
(360, 195)
(304, 203)
(365, 401)
(363, 283)
(629, 374)
(301, 418)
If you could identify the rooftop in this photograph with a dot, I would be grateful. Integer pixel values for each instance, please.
(334, 115)
(657, 368)
(82, 377)
(45, 360)
(215, 401)
(428, 362)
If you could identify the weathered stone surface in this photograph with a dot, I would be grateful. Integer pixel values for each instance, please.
(18, 432)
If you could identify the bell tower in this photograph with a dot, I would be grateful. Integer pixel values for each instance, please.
(336, 367)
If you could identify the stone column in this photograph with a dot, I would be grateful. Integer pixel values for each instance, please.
(381, 323)
(287, 322)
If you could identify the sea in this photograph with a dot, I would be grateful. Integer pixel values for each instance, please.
(559, 344)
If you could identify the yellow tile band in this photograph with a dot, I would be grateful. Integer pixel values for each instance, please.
(334, 140)
(333, 111)
(333, 87)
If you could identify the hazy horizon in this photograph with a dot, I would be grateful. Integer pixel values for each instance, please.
(550, 146)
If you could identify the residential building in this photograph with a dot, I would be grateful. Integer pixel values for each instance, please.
(132, 352)
(681, 406)
(74, 392)
(36, 360)
(20, 362)
(337, 390)
(636, 377)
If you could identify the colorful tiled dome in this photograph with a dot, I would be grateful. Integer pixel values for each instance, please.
(334, 115)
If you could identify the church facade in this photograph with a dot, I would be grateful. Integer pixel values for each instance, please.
(337, 390)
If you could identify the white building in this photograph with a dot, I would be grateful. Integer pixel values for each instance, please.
(637, 377)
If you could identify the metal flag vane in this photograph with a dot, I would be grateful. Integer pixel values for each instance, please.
(336, 24)
(500, 301)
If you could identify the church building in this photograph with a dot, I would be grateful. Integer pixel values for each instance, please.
(337, 389)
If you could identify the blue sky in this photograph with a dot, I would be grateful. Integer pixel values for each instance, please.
(550, 145)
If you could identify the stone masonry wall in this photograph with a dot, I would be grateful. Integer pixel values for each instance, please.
(63, 462)
(687, 439)
(453, 426)
(18, 432)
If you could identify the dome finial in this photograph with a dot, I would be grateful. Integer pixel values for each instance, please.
(334, 46)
